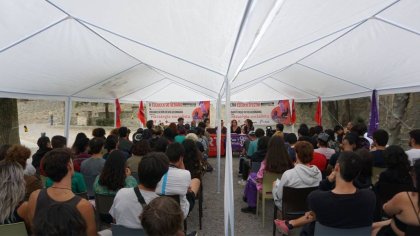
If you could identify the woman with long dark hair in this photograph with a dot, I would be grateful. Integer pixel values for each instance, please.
(404, 208)
(192, 159)
(276, 160)
(115, 175)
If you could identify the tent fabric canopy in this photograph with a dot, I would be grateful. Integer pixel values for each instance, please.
(183, 50)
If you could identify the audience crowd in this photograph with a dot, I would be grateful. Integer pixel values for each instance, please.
(154, 178)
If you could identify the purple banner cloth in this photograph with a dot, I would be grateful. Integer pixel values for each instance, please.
(374, 115)
(238, 141)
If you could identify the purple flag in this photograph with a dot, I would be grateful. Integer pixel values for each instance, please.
(374, 115)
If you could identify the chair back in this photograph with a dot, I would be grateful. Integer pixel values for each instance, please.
(267, 184)
(83, 195)
(255, 167)
(90, 180)
(15, 229)
(103, 203)
(119, 230)
(294, 202)
(322, 230)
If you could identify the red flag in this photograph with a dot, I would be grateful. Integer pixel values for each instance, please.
(293, 116)
(118, 113)
(140, 114)
(318, 113)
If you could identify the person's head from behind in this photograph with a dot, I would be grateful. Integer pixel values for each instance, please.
(330, 133)
(162, 217)
(161, 144)
(114, 172)
(59, 219)
(149, 124)
(304, 152)
(277, 157)
(123, 132)
(192, 154)
(360, 129)
(169, 134)
(380, 137)
(141, 148)
(259, 133)
(111, 143)
(396, 158)
(96, 145)
(303, 131)
(348, 166)
(290, 138)
(58, 141)
(175, 152)
(262, 143)
(318, 129)
(181, 121)
(323, 139)
(151, 169)
(19, 154)
(44, 143)
(81, 143)
(12, 185)
(192, 136)
(349, 142)
(58, 164)
(414, 138)
(280, 127)
(98, 133)
(338, 129)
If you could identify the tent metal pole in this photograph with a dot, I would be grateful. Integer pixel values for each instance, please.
(218, 138)
(229, 203)
(67, 115)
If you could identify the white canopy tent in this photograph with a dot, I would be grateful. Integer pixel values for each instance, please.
(250, 50)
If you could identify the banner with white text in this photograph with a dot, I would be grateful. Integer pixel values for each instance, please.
(167, 112)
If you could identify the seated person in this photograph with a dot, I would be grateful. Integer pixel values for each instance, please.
(60, 219)
(58, 167)
(404, 209)
(129, 202)
(303, 175)
(12, 207)
(177, 181)
(20, 154)
(140, 149)
(115, 175)
(93, 166)
(162, 217)
(78, 184)
(343, 207)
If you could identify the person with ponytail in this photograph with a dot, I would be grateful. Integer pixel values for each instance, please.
(404, 208)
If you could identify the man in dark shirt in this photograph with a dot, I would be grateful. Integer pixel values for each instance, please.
(380, 139)
(343, 207)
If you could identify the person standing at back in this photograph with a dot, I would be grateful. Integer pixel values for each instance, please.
(414, 142)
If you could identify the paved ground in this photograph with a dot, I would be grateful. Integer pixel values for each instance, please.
(213, 219)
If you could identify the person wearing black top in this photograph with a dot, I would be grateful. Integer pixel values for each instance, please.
(343, 207)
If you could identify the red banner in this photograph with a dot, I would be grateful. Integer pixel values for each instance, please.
(140, 114)
(118, 113)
